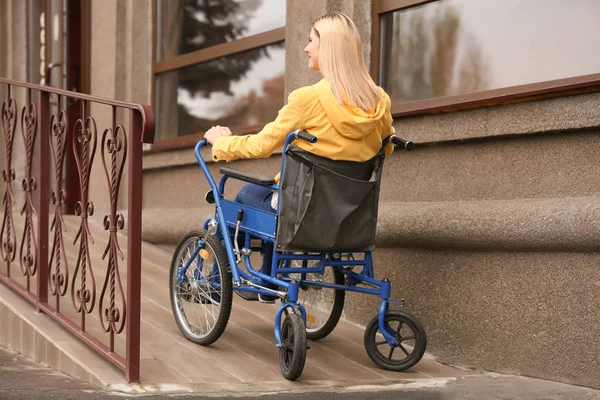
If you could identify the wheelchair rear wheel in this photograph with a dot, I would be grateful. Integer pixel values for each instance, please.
(407, 330)
(323, 306)
(201, 298)
(292, 353)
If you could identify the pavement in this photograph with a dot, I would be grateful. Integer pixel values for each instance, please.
(21, 378)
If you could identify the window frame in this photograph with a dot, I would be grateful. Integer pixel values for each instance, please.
(183, 60)
(506, 95)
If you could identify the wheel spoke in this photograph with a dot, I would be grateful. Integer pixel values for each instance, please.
(399, 327)
(391, 353)
(404, 350)
(205, 316)
(380, 343)
(182, 291)
(407, 338)
(206, 294)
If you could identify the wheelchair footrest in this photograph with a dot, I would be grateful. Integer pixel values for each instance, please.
(250, 296)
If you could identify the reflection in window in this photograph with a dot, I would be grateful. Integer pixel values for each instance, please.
(184, 26)
(239, 90)
(454, 47)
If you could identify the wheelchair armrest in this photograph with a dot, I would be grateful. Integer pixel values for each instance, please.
(248, 176)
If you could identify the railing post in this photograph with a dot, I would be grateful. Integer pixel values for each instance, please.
(42, 194)
(134, 248)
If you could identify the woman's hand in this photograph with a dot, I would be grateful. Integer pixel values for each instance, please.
(216, 132)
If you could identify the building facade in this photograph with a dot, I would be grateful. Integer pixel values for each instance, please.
(489, 229)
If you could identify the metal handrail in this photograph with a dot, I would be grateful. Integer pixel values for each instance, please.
(46, 138)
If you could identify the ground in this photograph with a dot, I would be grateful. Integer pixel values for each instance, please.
(22, 378)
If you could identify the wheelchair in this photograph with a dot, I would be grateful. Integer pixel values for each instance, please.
(323, 233)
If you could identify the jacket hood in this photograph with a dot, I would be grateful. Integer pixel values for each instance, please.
(350, 121)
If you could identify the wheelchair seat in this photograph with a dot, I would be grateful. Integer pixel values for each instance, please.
(327, 205)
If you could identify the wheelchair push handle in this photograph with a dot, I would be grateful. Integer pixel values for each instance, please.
(299, 134)
(405, 144)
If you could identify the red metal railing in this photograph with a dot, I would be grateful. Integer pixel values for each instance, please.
(44, 268)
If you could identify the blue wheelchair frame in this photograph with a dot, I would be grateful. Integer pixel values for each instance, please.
(263, 225)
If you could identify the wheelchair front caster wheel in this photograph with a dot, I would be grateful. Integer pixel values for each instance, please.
(409, 333)
(292, 353)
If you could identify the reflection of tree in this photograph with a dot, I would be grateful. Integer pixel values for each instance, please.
(194, 25)
(431, 56)
(249, 110)
(207, 23)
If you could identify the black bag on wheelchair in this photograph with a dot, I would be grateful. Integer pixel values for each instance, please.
(327, 205)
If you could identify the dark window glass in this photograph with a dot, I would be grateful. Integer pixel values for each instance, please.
(239, 90)
(454, 47)
(184, 26)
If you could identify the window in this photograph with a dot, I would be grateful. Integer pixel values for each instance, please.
(437, 55)
(217, 63)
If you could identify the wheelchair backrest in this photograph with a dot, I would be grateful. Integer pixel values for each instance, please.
(327, 205)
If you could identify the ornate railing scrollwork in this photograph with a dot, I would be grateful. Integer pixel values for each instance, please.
(58, 266)
(115, 143)
(84, 296)
(28, 251)
(8, 235)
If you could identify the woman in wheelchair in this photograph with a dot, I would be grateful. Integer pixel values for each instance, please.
(346, 111)
(323, 212)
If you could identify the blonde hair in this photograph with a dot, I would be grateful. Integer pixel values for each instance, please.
(342, 63)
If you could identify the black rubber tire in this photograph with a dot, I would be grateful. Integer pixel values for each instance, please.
(418, 335)
(292, 353)
(336, 310)
(225, 297)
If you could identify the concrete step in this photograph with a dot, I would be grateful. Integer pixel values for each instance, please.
(566, 224)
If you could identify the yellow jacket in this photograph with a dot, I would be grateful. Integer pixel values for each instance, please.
(343, 132)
